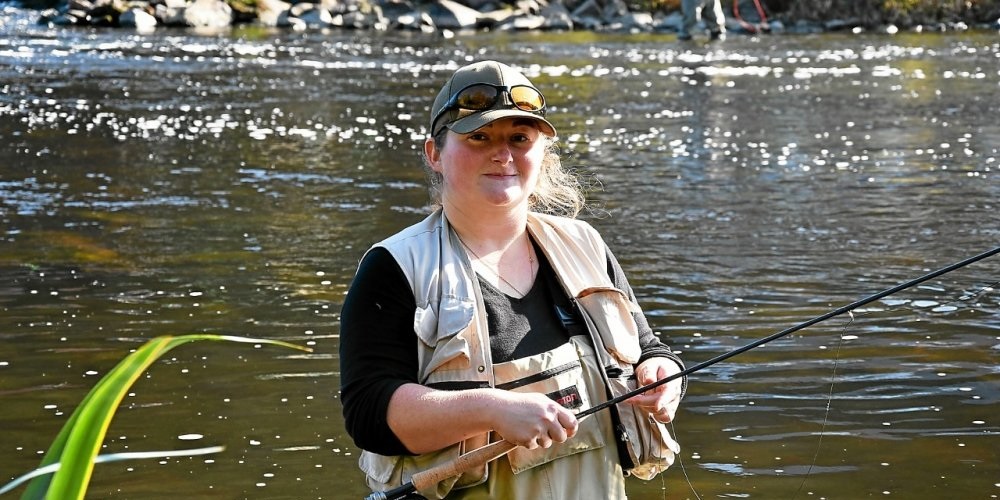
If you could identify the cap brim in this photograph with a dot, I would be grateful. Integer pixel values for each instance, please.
(481, 119)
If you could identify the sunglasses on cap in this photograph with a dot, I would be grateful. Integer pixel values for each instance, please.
(484, 96)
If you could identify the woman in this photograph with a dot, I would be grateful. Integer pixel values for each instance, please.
(491, 320)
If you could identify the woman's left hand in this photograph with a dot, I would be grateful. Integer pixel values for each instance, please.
(660, 402)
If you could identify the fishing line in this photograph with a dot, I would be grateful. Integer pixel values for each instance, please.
(829, 405)
(680, 461)
(965, 297)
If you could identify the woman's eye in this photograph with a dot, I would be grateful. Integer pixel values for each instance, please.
(522, 138)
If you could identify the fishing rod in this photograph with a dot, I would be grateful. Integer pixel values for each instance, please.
(497, 449)
(757, 343)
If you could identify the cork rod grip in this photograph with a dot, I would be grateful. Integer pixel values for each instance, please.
(475, 458)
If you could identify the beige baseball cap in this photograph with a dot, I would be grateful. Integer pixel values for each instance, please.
(464, 121)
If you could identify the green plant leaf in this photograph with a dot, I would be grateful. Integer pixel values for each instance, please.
(113, 457)
(77, 444)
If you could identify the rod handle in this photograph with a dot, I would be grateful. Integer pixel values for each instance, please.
(475, 458)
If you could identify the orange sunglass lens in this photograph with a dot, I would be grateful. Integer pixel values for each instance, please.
(527, 98)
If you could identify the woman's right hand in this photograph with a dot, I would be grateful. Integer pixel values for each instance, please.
(427, 420)
(532, 420)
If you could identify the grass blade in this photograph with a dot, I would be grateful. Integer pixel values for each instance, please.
(77, 444)
(113, 457)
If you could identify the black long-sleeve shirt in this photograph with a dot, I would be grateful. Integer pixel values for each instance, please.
(378, 345)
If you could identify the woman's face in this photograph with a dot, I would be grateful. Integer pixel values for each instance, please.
(494, 167)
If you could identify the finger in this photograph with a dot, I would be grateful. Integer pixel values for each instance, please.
(568, 424)
(571, 429)
(646, 376)
(541, 441)
(560, 435)
(643, 400)
(567, 420)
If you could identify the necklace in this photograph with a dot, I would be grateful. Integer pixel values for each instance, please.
(496, 272)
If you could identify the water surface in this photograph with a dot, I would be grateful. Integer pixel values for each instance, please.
(177, 182)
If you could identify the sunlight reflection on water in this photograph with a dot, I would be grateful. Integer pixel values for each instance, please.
(170, 182)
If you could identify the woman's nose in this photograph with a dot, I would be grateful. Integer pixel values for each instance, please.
(502, 155)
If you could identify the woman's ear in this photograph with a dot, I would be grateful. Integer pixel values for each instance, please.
(432, 154)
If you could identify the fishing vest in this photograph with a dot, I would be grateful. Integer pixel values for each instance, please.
(453, 348)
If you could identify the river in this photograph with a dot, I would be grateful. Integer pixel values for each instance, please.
(177, 182)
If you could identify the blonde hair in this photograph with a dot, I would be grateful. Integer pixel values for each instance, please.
(558, 191)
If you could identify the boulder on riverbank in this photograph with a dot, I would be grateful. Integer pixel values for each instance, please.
(747, 16)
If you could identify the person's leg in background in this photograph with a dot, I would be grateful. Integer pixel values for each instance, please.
(715, 19)
(689, 18)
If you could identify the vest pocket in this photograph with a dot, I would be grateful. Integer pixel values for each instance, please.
(384, 473)
(559, 375)
(650, 446)
(609, 313)
(443, 332)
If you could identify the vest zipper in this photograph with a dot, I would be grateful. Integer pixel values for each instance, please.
(551, 372)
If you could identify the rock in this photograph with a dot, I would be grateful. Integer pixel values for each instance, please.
(401, 13)
(613, 10)
(70, 18)
(313, 16)
(557, 17)
(841, 24)
(635, 21)
(805, 27)
(587, 23)
(494, 18)
(589, 8)
(244, 11)
(106, 12)
(137, 18)
(83, 5)
(317, 18)
(208, 14)
(78, 16)
(273, 13)
(47, 15)
(448, 14)
(355, 19)
(527, 6)
(301, 8)
(169, 15)
(357, 14)
(523, 23)
(337, 7)
(480, 5)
